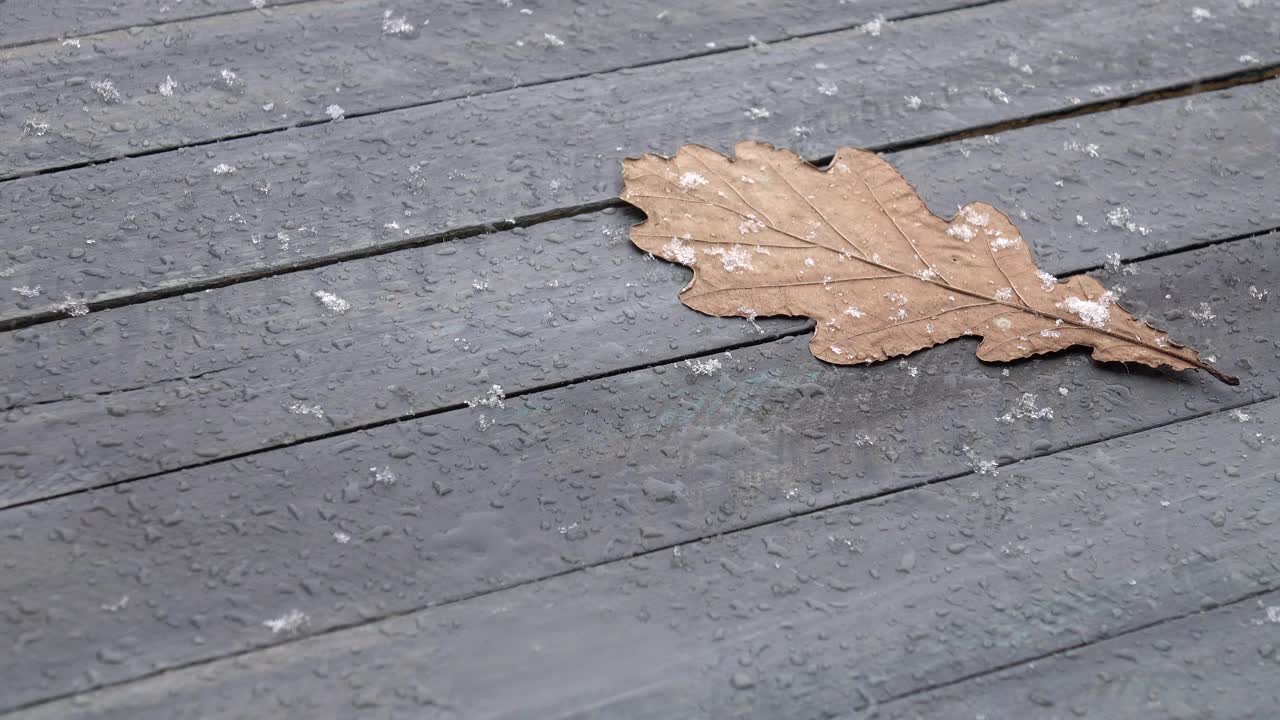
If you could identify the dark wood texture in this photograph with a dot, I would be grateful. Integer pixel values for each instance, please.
(155, 386)
(834, 611)
(289, 65)
(165, 223)
(268, 474)
(24, 22)
(484, 498)
(1217, 664)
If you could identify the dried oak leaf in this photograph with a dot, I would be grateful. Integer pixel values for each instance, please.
(856, 249)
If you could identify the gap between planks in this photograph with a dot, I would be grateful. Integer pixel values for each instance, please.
(155, 23)
(1197, 87)
(726, 49)
(559, 384)
(872, 711)
(868, 497)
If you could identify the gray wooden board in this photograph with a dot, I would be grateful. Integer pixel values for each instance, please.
(332, 190)
(108, 585)
(167, 384)
(290, 64)
(813, 617)
(1220, 664)
(30, 21)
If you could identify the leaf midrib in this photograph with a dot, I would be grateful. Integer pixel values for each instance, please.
(689, 196)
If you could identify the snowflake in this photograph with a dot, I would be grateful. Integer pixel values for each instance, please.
(395, 25)
(492, 398)
(552, 40)
(27, 290)
(34, 126)
(1094, 313)
(107, 90)
(709, 366)
(680, 252)
(750, 314)
(335, 112)
(300, 408)
(874, 27)
(980, 466)
(975, 217)
(691, 180)
(1090, 149)
(332, 302)
(1026, 409)
(750, 225)
(73, 307)
(223, 169)
(383, 475)
(289, 622)
(961, 231)
(1204, 313)
(167, 87)
(1120, 217)
(914, 102)
(734, 259)
(1047, 281)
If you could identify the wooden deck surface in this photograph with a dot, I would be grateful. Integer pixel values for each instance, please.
(221, 498)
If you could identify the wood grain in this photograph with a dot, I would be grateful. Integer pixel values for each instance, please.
(25, 23)
(237, 74)
(1219, 664)
(130, 391)
(169, 223)
(832, 612)
(419, 513)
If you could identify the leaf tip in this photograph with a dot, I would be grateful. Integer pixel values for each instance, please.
(1231, 380)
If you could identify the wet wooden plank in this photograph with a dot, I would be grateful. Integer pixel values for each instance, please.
(145, 388)
(815, 616)
(1216, 664)
(23, 23)
(169, 222)
(113, 584)
(236, 74)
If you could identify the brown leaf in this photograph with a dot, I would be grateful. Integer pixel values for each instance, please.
(855, 248)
